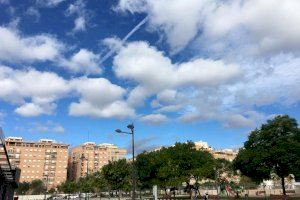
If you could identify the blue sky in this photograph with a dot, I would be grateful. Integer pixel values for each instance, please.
(180, 70)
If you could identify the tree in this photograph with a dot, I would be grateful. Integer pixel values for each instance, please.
(98, 182)
(170, 167)
(274, 148)
(68, 187)
(146, 169)
(23, 188)
(37, 187)
(246, 183)
(86, 184)
(118, 175)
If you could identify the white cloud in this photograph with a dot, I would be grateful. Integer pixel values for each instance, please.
(49, 126)
(79, 24)
(146, 65)
(154, 119)
(17, 48)
(99, 98)
(41, 87)
(167, 96)
(4, 1)
(155, 72)
(206, 89)
(256, 26)
(35, 109)
(49, 3)
(84, 61)
(177, 19)
(2, 116)
(170, 108)
(78, 8)
(275, 81)
(33, 12)
(34, 91)
(238, 121)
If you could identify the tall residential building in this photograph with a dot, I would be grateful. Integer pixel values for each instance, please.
(45, 160)
(89, 158)
(227, 154)
(202, 145)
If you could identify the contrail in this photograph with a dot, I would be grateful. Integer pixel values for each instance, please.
(112, 51)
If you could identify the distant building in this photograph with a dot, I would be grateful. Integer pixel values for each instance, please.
(45, 160)
(227, 154)
(90, 157)
(202, 145)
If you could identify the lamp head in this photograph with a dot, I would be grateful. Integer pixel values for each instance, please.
(118, 131)
(130, 126)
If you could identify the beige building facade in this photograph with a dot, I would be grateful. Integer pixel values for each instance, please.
(227, 154)
(90, 157)
(45, 160)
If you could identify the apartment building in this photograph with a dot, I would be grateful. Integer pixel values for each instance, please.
(45, 160)
(90, 157)
(227, 154)
(201, 145)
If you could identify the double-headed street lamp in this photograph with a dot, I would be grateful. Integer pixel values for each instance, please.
(131, 128)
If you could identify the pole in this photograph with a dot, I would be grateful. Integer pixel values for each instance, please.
(87, 172)
(45, 195)
(133, 166)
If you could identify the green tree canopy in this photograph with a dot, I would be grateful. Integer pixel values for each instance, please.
(68, 187)
(37, 186)
(118, 175)
(174, 165)
(23, 188)
(274, 148)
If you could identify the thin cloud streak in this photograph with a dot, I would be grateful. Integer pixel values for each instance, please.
(112, 51)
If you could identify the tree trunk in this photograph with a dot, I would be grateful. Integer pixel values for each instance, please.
(119, 194)
(283, 185)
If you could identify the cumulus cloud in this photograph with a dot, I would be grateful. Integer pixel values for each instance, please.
(17, 48)
(35, 109)
(218, 24)
(78, 8)
(155, 73)
(146, 65)
(18, 85)
(177, 19)
(79, 24)
(154, 119)
(206, 89)
(35, 93)
(84, 61)
(99, 98)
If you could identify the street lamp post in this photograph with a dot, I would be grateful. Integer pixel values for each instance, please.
(46, 186)
(86, 158)
(131, 128)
